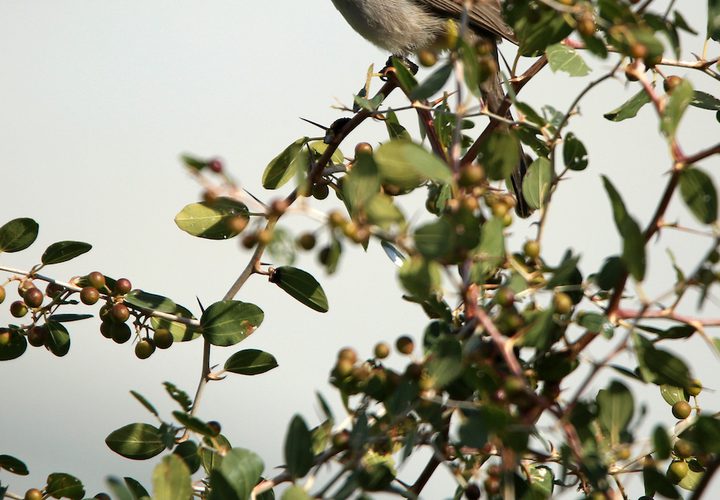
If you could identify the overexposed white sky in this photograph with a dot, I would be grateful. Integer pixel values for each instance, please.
(97, 101)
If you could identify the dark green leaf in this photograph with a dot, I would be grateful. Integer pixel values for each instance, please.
(610, 274)
(394, 128)
(407, 165)
(633, 242)
(179, 396)
(704, 434)
(212, 220)
(596, 323)
(14, 465)
(659, 366)
(540, 334)
(657, 482)
(147, 404)
(136, 441)
(193, 162)
(361, 184)
(383, 212)
(434, 239)
(491, 252)
(301, 286)
(574, 153)
(15, 347)
(136, 488)
(171, 479)
(188, 452)
(17, 235)
(566, 59)
(228, 322)
(445, 362)
(69, 318)
(680, 99)
(615, 409)
(662, 444)
(58, 339)
(699, 194)
(541, 483)
(62, 251)
(537, 34)
(703, 100)
(119, 490)
(298, 448)
(250, 362)
(420, 277)
(713, 25)
(61, 485)
(193, 423)
(432, 84)
(406, 79)
(537, 182)
(282, 168)
(236, 476)
(500, 154)
(630, 108)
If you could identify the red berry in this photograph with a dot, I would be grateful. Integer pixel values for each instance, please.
(33, 297)
(216, 165)
(123, 286)
(18, 309)
(96, 279)
(89, 295)
(120, 312)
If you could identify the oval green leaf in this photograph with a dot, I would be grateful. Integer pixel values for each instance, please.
(193, 424)
(211, 220)
(298, 448)
(63, 251)
(236, 476)
(300, 285)
(14, 465)
(188, 451)
(171, 479)
(18, 234)
(575, 155)
(136, 441)
(228, 322)
(58, 339)
(537, 182)
(60, 485)
(250, 362)
(407, 165)
(699, 194)
(282, 168)
(566, 59)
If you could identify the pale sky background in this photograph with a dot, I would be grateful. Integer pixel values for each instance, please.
(98, 99)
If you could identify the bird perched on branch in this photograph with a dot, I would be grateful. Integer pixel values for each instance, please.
(404, 27)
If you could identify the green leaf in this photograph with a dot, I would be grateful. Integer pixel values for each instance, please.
(17, 235)
(181, 332)
(136, 488)
(250, 362)
(615, 409)
(119, 490)
(211, 454)
(295, 493)
(147, 404)
(281, 248)
(171, 479)
(566, 59)
(394, 128)
(407, 165)
(699, 194)
(672, 394)
(193, 423)
(662, 444)
(282, 168)
(61, 485)
(179, 396)
(537, 34)
(383, 212)
(540, 333)
(541, 483)
(434, 239)
(188, 452)
(596, 323)
(361, 184)
(703, 100)
(713, 25)
(432, 84)
(420, 277)
(575, 155)
(406, 79)
(630, 108)
(704, 434)
(298, 448)
(491, 251)
(228, 322)
(659, 366)
(633, 241)
(657, 482)
(537, 182)
(695, 474)
(62, 251)
(136, 441)
(69, 318)
(445, 362)
(680, 99)
(212, 220)
(14, 465)
(500, 154)
(15, 347)
(236, 476)
(301, 286)
(58, 339)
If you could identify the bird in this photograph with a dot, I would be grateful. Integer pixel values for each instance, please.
(404, 27)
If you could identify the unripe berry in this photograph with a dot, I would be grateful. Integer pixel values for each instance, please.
(671, 83)
(2, 294)
(18, 309)
(249, 240)
(89, 295)
(681, 410)
(5, 336)
(427, 58)
(695, 387)
(106, 329)
(120, 312)
(336, 219)
(278, 207)
(363, 148)
(215, 427)
(382, 350)
(96, 279)
(53, 290)
(563, 303)
(677, 470)
(683, 448)
(163, 338)
(37, 335)
(320, 191)
(33, 494)
(306, 241)
(144, 348)
(471, 175)
(532, 249)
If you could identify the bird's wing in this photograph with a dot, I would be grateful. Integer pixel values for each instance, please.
(485, 15)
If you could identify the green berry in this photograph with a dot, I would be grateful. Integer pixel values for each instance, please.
(532, 249)
(677, 470)
(563, 303)
(695, 387)
(681, 410)
(163, 338)
(2, 294)
(144, 348)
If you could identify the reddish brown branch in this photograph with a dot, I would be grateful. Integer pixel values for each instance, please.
(689, 160)
(666, 314)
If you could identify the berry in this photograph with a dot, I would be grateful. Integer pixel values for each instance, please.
(33, 494)
(586, 25)
(33, 297)
(471, 175)
(505, 297)
(348, 354)
(695, 387)
(681, 410)
(427, 58)
(36, 336)
(144, 348)
(89, 295)
(671, 83)
(683, 448)
(121, 333)
(563, 303)
(306, 241)
(532, 249)
(215, 427)
(123, 286)
(472, 491)
(278, 207)
(237, 223)
(343, 368)
(102, 496)
(53, 290)
(216, 165)
(5, 336)
(163, 338)
(265, 236)
(363, 148)
(2, 295)
(638, 50)
(120, 312)
(320, 191)
(405, 345)
(106, 329)
(677, 470)
(24, 286)
(18, 309)
(382, 350)
(96, 279)
(336, 219)
(249, 240)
